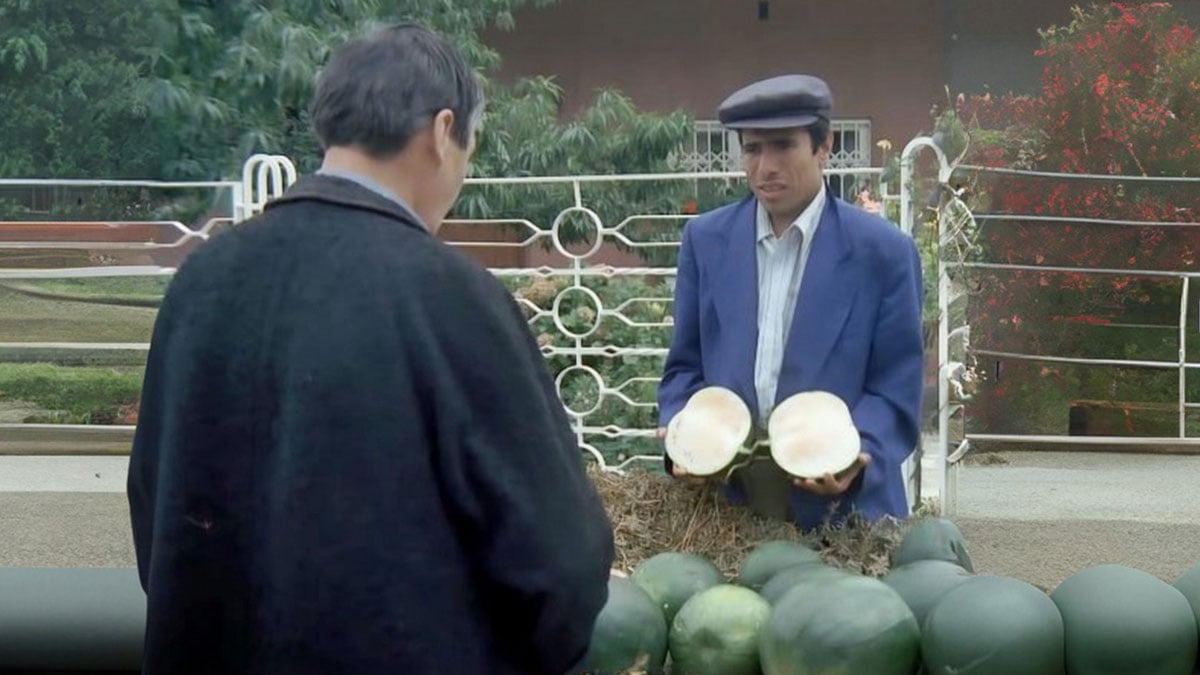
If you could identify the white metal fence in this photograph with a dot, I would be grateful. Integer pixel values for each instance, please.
(966, 272)
(70, 250)
(590, 259)
(592, 267)
(602, 309)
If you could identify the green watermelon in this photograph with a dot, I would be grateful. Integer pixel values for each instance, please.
(1189, 585)
(716, 632)
(993, 626)
(630, 632)
(770, 558)
(1123, 620)
(796, 575)
(672, 578)
(855, 624)
(934, 539)
(923, 582)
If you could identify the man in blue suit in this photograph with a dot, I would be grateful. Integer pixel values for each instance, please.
(792, 289)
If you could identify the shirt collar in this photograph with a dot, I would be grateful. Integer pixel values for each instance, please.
(373, 186)
(806, 222)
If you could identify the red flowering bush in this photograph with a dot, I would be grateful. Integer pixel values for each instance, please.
(1120, 97)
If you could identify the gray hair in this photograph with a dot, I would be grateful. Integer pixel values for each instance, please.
(380, 89)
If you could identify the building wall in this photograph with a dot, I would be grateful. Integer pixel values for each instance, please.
(889, 61)
(883, 60)
(990, 46)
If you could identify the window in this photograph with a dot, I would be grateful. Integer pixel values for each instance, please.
(851, 150)
(713, 148)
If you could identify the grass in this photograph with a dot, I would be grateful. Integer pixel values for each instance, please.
(104, 286)
(136, 292)
(37, 319)
(72, 394)
(75, 386)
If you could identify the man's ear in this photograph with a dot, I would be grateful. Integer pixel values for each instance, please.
(443, 133)
(826, 148)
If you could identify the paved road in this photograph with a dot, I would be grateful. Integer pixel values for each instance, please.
(1038, 486)
(65, 529)
(63, 474)
(1039, 516)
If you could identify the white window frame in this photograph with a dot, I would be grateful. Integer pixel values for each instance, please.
(713, 148)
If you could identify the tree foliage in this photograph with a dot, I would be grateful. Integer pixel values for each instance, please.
(1118, 98)
(74, 89)
(187, 89)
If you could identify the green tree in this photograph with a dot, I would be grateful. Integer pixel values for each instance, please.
(241, 73)
(187, 89)
(72, 82)
(523, 136)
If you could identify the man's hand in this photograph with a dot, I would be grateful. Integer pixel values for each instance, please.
(829, 484)
(678, 471)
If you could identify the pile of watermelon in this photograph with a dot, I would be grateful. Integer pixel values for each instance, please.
(789, 613)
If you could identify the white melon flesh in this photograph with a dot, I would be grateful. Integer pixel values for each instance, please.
(812, 434)
(707, 434)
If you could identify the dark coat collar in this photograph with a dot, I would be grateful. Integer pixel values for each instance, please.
(347, 193)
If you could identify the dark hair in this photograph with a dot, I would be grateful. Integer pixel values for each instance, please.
(380, 89)
(818, 131)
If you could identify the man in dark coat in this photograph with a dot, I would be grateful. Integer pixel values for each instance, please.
(350, 456)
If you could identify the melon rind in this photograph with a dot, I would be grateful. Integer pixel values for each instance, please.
(707, 435)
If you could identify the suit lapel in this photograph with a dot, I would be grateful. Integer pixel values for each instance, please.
(827, 293)
(735, 293)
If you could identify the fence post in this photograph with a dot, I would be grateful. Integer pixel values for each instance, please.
(939, 456)
(1183, 311)
(264, 177)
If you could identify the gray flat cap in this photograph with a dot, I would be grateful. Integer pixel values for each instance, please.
(777, 103)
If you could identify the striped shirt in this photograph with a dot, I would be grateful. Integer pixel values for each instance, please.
(781, 262)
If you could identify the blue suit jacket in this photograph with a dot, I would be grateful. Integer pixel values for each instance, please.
(856, 333)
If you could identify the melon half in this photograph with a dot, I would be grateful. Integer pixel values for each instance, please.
(812, 434)
(708, 433)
